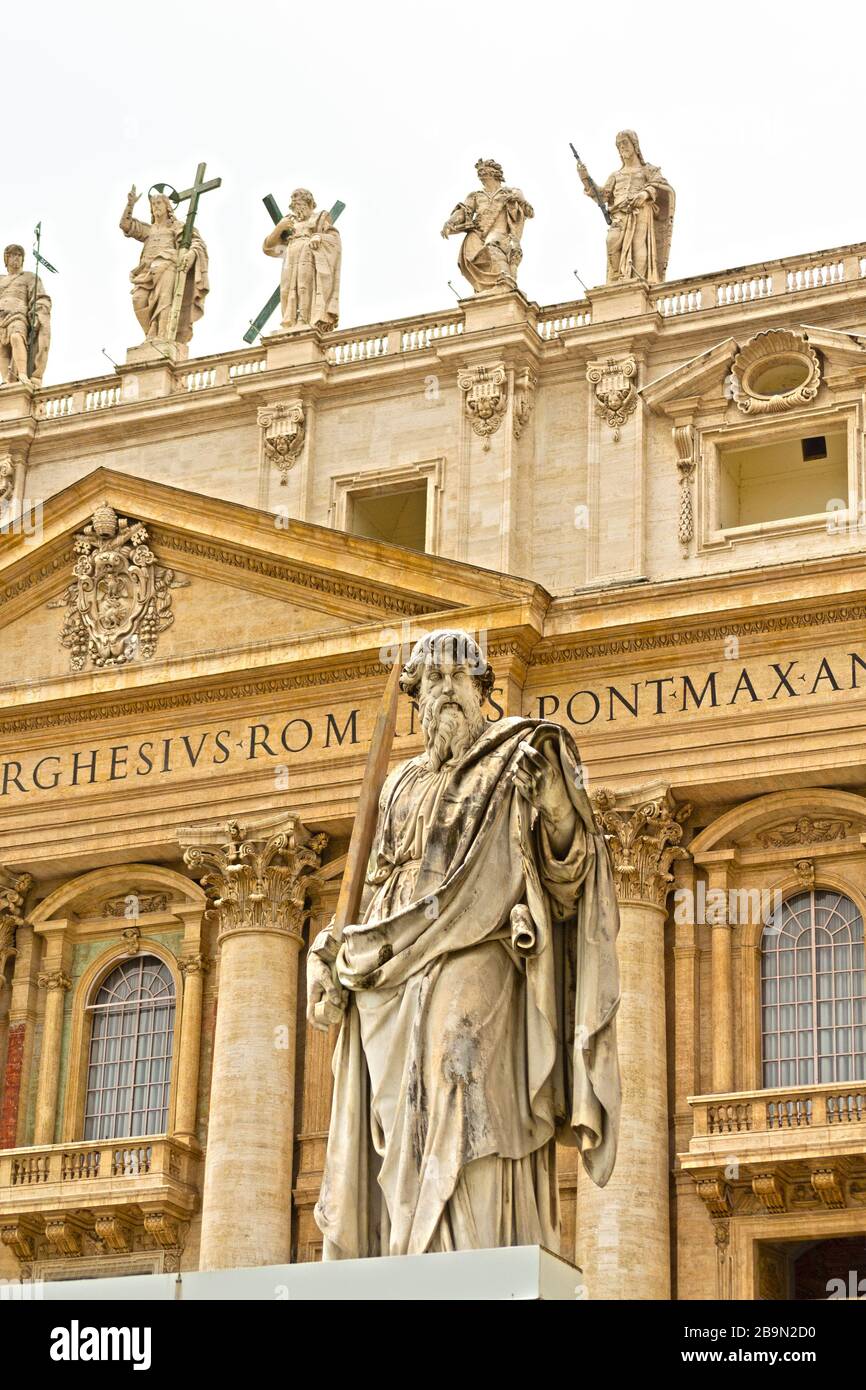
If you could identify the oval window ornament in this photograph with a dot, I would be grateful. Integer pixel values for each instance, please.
(775, 371)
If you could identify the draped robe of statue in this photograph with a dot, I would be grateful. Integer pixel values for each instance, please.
(483, 988)
(153, 277)
(490, 251)
(310, 279)
(639, 239)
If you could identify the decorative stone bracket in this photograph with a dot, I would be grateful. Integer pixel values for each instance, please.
(525, 384)
(260, 883)
(684, 443)
(615, 390)
(643, 842)
(485, 398)
(14, 888)
(284, 428)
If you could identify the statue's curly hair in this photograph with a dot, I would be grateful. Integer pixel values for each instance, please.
(14, 247)
(463, 648)
(303, 193)
(492, 165)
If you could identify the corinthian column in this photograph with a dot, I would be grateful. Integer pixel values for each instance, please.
(55, 982)
(624, 1229)
(259, 883)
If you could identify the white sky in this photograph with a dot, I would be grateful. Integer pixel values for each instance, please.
(755, 114)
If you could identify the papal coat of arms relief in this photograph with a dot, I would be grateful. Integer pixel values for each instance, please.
(120, 599)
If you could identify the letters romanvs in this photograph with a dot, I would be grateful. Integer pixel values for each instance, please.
(479, 990)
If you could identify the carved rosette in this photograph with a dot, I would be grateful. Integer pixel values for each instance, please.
(775, 371)
(615, 390)
(684, 442)
(643, 841)
(284, 429)
(485, 398)
(524, 400)
(260, 883)
(120, 599)
(14, 888)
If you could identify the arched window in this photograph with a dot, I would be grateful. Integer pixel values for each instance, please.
(812, 987)
(129, 1062)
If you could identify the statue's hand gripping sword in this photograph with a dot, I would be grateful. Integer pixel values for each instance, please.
(590, 185)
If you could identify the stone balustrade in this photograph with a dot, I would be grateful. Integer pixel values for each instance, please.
(97, 1173)
(751, 1125)
(782, 280)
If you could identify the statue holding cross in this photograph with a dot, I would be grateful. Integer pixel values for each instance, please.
(170, 282)
(310, 247)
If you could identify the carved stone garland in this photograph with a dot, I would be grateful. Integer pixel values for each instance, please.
(14, 888)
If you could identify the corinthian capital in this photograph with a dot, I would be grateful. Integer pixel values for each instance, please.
(644, 841)
(259, 879)
(14, 888)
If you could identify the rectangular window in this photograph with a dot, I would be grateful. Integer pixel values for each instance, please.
(397, 515)
(804, 475)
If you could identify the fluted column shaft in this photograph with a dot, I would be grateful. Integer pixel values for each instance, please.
(260, 886)
(193, 969)
(624, 1228)
(55, 983)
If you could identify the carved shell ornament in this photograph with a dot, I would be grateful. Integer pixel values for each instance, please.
(775, 371)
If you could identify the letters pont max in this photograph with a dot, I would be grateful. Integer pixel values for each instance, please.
(732, 687)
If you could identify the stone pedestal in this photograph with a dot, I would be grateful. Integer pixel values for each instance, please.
(517, 1274)
(260, 887)
(623, 1239)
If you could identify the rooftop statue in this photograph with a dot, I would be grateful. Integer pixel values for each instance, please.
(478, 990)
(311, 250)
(639, 204)
(25, 322)
(492, 219)
(170, 282)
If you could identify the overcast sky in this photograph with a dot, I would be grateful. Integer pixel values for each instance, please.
(754, 113)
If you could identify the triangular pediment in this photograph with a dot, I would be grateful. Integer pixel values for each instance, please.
(221, 579)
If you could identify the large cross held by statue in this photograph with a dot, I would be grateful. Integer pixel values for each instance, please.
(199, 187)
(261, 318)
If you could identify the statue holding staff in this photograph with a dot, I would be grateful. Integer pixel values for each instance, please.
(639, 204)
(477, 987)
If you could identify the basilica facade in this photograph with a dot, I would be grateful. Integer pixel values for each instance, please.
(649, 507)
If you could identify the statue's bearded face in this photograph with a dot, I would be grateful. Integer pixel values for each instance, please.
(450, 708)
(625, 147)
(13, 261)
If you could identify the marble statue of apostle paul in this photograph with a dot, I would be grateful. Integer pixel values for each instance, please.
(478, 992)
